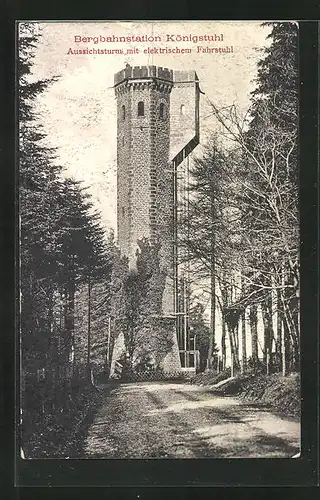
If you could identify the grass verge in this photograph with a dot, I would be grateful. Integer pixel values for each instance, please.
(278, 392)
(61, 433)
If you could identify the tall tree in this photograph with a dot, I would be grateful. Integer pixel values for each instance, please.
(62, 242)
(209, 238)
(201, 333)
(256, 222)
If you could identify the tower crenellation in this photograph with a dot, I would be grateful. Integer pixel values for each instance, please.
(137, 72)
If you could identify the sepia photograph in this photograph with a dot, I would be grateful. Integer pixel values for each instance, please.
(159, 276)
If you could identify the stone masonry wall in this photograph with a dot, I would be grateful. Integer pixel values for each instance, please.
(141, 159)
(124, 186)
(144, 177)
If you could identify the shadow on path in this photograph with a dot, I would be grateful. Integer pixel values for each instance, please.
(163, 420)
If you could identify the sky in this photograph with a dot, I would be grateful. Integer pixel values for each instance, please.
(78, 111)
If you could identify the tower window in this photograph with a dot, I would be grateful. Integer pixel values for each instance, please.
(123, 211)
(162, 110)
(141, 108)
(122, 141)
(182, 109)
(123, 112)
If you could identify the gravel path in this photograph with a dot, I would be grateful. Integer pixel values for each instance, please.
(178, 420)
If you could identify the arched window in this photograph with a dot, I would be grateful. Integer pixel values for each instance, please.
(123, 112)
(182, 109)
(123, 141)
(162, 110)
(140, 108)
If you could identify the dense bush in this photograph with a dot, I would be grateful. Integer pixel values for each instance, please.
(211, 377)
(281, 393)
(53, 423)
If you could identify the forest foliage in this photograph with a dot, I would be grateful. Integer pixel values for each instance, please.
(245, 239)
(65, 265)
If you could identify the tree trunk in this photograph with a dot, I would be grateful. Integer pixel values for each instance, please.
(69, 319)
(223, 343)
(286, 328)
(285, 348)
(233, 347)
(213, 291)
(293, 302)
(292, 315)
(50, 312)
(61, 315)
(291, 334)
(279, 331)
(254, 334)
(268, 331)
(108, 351)
(236, 341)
(296, 314)
(243, 341)
(224, 297)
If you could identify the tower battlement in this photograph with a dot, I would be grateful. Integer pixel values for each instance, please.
(137, 72)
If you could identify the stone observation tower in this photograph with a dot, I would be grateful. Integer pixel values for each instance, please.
(157, 127)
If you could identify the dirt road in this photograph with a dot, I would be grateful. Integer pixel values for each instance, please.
(177, 420)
